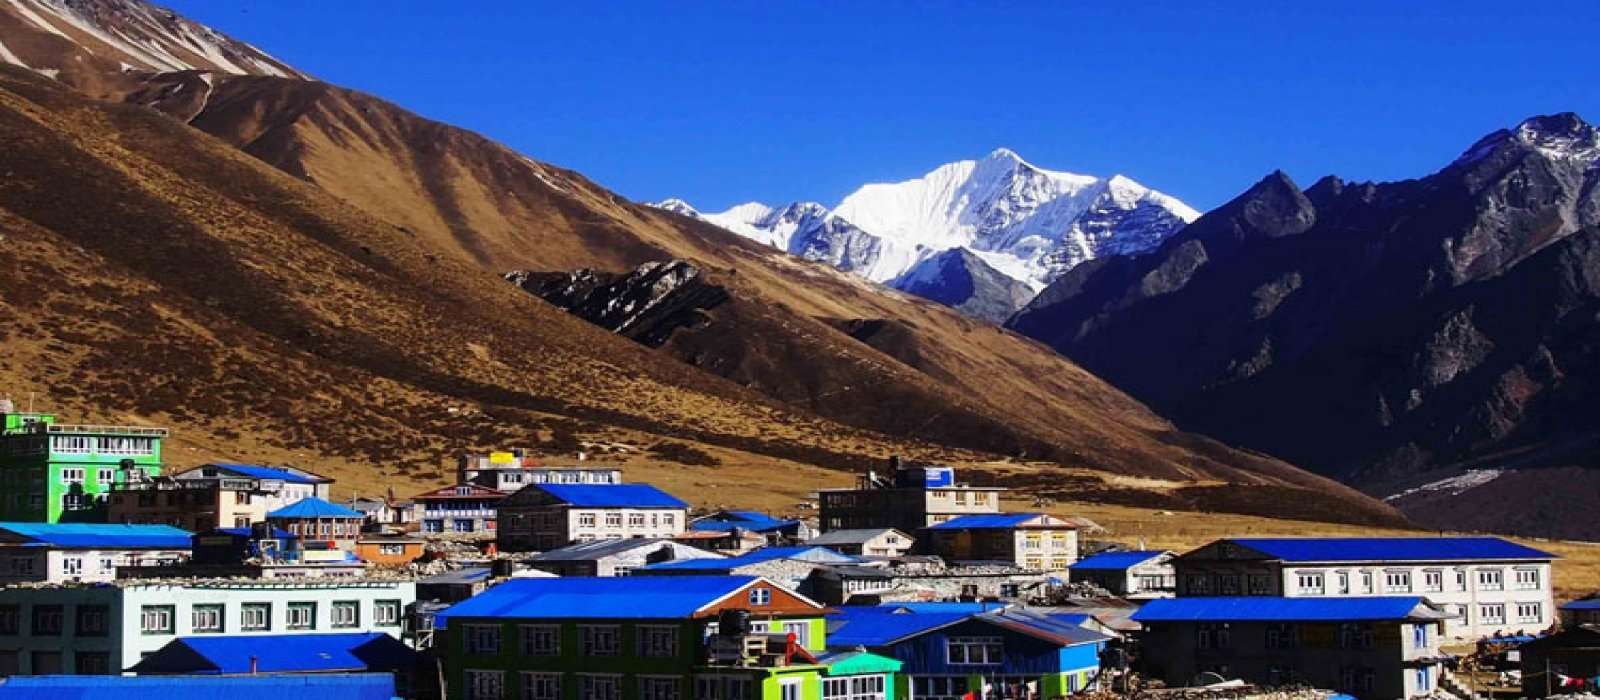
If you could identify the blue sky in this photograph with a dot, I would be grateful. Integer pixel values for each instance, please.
(723, 102)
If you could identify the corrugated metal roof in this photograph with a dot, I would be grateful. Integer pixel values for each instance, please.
(626, 597)
(875, 627)
(754, 521)
(257, 471)
(110, 536)
(1274, 609)
(331, 686)
(1115, 561)
(612, 495)
(1586, 604)
(277, 532)
(314, 508)
(587, 551)
(848, 536)
(997, 521)
(821, 555)
(1309, 549)
(279, 653)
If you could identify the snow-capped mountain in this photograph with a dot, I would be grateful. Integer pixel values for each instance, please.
(1028, 223)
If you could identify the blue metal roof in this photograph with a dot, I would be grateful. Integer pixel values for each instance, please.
(1115, 561)
(626, 597)
(314, 508)
(277, 532)
(1585, 604)
(101, 535)
(753, 521)
(279, 653)
(998, 521)
(876, 627)
(765, 554)
(1321, 549)
(612, 495)
(1274, 609)
(257, 471)
(332, 686)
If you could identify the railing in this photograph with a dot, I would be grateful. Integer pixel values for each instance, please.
(105, 429)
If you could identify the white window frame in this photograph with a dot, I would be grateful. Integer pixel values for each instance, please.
(1529, 612)
(1397, 581)
(386, 613)
(295, 617)
(987, 650)
(208, 618)
(537, 685)
(539, 640)
(1528, 579)
(656, 641)
(660, 687)
(481, 639)
(248, 612)
(1491, 579)
(1492, 613)
(158, 619)
(1311, 582)
(760, 597)
(345, 614)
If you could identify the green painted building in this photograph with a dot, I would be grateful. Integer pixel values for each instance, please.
(651, 638)
(54, 472)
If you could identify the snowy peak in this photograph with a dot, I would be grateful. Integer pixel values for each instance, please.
(1015, 219)
(1564, 136)
(677, 206)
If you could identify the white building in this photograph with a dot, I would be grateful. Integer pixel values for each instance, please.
(1489, 584)
(84, 552)
(274, 487)
(1034, 541)
(872, 542)
(546, 516)
(509, 471)
(1129, 574)
(104, 629)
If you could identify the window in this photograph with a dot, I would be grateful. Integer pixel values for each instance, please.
(302, 616)
(386, 613)
(974, 650)
(1491, 580)
(107, 565)
(961, 498)
(1214, 635)
(1032, 541)
(207, 618)
(72, 475)
(660, 688)
(723, 688)
(669, 520)
(1492, 613)
(599, 640)
(1433, 581)
(1260, 584)
(1310, 583)
(760, 596)
(10, 619)
(540, 640)
(1527, 579)
(658, 640)
(1033, 563)
(1228, 584)
(541, 686)
(1198, 584)
(853, 688)
(1355, 635)
(72, 566)
(1282, 636)
(104, 476)
(598, 687)
(1530, 613)
(1366, 582)
(47, 620)
(1419, 636)
(586, 520)
(482, 639)
(91, 663)
(1342, 582)
(346, 613)
(939, 687)
(157, 619)
(1461, 579)
(255, 617)
(392, 550)
(613, 520)
(636, 520)
(484, 685)
(1397, 581)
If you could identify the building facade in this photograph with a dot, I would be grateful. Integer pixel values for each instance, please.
(510, 471)
(1491, 586)
(84, 552)
(614, 557)
(945, 653)
(546, 516)
(908, 498)
(1033, 541)
(703, 637)
(1378, 647)
(314, 521)
(463, 508)
(874, 542)
(52, 471)
(1132, 574)
(100, 629)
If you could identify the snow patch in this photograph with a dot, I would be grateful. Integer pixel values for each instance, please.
(1466, 481)
(8, 57)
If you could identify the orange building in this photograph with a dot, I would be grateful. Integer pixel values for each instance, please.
(389, 551)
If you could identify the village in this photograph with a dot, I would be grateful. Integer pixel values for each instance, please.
(533, 581)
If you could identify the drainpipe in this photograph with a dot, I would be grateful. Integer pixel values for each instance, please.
(254, 664)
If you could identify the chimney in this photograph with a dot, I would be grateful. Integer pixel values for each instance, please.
(255, 665)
